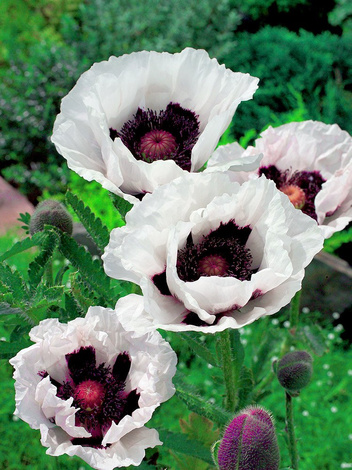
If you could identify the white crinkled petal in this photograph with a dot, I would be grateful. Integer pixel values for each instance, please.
(308, 146)
(109, 94)
(153, 364)
(282, 241)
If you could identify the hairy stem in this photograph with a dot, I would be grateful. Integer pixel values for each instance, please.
(228, 370)
(290, 429)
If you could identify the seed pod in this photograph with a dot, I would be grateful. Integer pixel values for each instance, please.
(50, 213)
(294, 371)
(250, 442)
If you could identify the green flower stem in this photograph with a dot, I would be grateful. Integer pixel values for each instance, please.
(292, 443)
(294, 310)
(228, 370)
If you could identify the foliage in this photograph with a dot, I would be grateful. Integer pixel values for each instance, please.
(292, 14)
(312, 74)
(107, 27)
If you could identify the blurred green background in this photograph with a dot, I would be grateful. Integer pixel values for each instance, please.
(302, 52)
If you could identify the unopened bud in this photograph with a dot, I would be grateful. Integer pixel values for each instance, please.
(294, 371)
(50, 213)
(249, 442)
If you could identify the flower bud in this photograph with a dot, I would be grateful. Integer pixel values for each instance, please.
(250, 442)
(50, 213)
(294, 371)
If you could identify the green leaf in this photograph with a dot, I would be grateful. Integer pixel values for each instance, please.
(246, 385)
(194, 402)
(72, 308)
(23, 245)
(214, 453)
(38, 265)
(83, 295)
(200, 348)
(313, 337)
(13, 282)
(25, 219)
(91, 270)
(121, 205)
(92, 224)
(8, 350)
(180, 443)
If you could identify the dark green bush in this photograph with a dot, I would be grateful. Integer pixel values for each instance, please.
(316, 68)
(110, 27)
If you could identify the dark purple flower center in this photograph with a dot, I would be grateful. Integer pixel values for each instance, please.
(166, 135)
(98, 392)
(220, 253)
(301, 187)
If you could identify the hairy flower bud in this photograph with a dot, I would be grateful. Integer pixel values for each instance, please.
(50, 213)
(250, 442)
(294, 371)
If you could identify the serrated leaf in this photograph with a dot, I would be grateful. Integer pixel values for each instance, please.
(72, 308)
(23, 245)
(94, 226)
(9, 350)
(13, 282)
(200, 348)
(246, 385)
(180, 443)
(91, 270)
(121, 205)
(37, 266)
(25, 219)
(313, 337)
(84, 296)
(194, 402)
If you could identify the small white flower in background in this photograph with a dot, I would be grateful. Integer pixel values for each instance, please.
(210, 254)
(311, 162)
(91, 385)
(138, 121)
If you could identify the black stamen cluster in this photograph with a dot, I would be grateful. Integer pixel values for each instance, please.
(227, 241)
(182, 123)
(309, 181)
(116, 403)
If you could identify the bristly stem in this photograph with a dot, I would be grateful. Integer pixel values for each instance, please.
(294, 309)
(228, 370)
(290, 429)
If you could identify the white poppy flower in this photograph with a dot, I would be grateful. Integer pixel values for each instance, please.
(210, 254)
(90, 385)
(309, 161)
(138, 121)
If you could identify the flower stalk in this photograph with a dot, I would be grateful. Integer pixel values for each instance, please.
(228, 369)
(290, 429)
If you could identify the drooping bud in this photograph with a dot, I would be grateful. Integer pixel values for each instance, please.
(50, 213)
(294, 371)
(249, 442)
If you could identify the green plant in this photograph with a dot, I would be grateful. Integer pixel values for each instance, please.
(307, 73)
